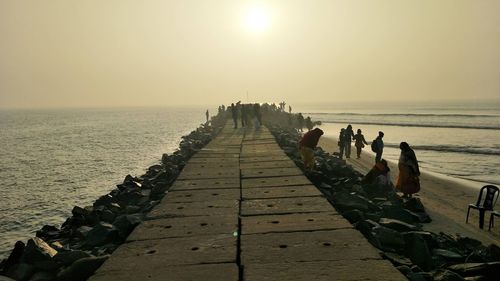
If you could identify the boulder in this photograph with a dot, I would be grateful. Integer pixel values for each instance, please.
(101, 234)
(419, 276)
(108, 216)
(448, 255)
(346, 201)
(487, 269)
(14, 257)
(37, 251)
(126, 223)
(446, 275)
(417, 250)
(82, 231)
(397, 260)
(353, 216)
(398, 213)
(388, 239)
(21, 271)
(81, 269)
(66, 258)
(43, 276)
(397, 225)
(48, 232)
(414, 204)
(5, 278)
(404, 269)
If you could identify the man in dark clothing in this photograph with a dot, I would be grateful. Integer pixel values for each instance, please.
(380, 146)
(307, 145)
(234, 113)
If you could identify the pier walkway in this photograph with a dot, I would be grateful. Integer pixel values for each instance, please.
(242, 210)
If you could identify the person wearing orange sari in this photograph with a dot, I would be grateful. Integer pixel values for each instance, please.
(408, 182)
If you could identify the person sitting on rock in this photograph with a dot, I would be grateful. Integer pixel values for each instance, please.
(378, 175)
(307, 145)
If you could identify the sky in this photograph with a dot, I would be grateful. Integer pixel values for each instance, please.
(94, 53)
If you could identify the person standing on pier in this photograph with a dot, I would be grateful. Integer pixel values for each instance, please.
(207, 115)
(307, 145)
(234, 113)
(359, 142)
(378, 146)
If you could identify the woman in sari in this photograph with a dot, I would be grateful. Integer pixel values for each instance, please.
(408, 181)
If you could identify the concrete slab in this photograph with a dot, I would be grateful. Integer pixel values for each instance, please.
(206, 272)
(213, 165)
(285, 206)
(184, 227)
(263, 154)
(215, 173)
(210, 208)
(201, 195)
(332, 245)
(273, 164)
(353, 270)
(275, 181)
(138, 255)
(219, 160)
(246, 159)
(221, 149)
(202, 154)
(293, 223)
(280, 192)
(270, 172)
(206, 184)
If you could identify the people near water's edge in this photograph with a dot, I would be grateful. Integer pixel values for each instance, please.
(408, 182)
(300, 121)
(234, 113)
(347, 139)
(307, 145)
(378, 175)
(309, 123)
(378, 146)
(207, 115)
(341, 143)
(359, 142)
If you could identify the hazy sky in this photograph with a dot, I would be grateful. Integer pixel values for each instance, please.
(56, 53)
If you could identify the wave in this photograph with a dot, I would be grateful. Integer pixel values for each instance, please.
(480, 127)
(452, 148)
(407, 114)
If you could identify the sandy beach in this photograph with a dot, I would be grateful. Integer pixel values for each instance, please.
(445, 198)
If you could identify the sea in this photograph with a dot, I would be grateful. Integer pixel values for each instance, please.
(54, 159)
(460, 139)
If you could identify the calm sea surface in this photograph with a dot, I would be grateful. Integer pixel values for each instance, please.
(459, 140)
(52, 160)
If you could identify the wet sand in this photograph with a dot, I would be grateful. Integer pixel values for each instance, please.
(445, 198)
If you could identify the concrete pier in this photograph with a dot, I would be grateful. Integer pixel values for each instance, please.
(242, 210)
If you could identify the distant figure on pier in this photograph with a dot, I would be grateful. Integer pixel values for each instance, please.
(359, 142)
(289, 109)
(258, 116)
(243, 115)
(309, 123)
(307, 145)
(234, 113)
(378, 146)
(408, 181)
(378, 175)
(300, 121)
(348, 135)
(341, 143)
(207, 115)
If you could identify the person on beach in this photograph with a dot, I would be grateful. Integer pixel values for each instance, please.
(234, 113)
(348, 135)
(359, 142)
(341, 143)
(309, 123)
(408, 181)
(379, 174)
(378, 146)
(307, 145)
(300, 121)
(207, 114)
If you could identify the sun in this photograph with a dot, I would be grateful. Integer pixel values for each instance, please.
(256, 19)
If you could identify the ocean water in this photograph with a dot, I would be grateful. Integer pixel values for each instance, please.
(52, 160)
(461, 140)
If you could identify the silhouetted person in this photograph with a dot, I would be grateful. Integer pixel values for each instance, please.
(309, 123)
(408, 181)
(243, 115)
(307, 145)
(348, 135)
(379, 174)
(207, 114)
(341, 143)
(289, 109)
(359, 142)
(378, 147)
(300, 121)
(258, 115)
(234, 113)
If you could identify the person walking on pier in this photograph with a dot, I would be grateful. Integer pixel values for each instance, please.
(359, 142)
(408, 181)
(378, 146)
(348, 135)
(234, 113)
(307, 145)
(207, 115)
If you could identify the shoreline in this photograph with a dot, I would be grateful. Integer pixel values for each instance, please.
(445, 198)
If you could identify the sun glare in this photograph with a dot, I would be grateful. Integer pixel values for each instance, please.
(256, 19)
